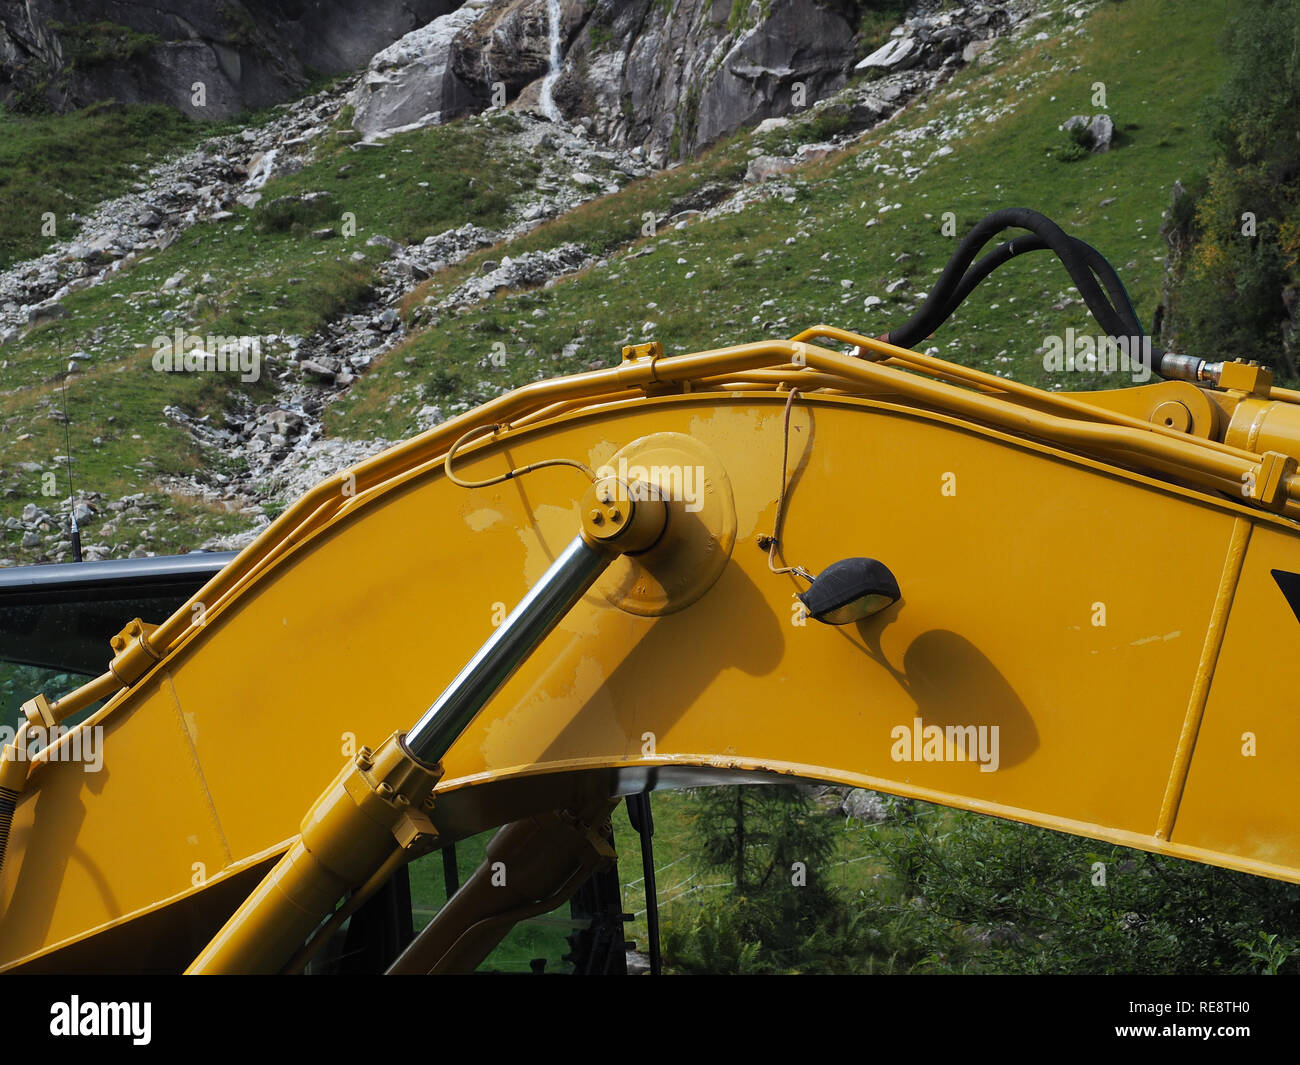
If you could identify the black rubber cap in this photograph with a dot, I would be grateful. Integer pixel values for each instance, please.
(847, 582)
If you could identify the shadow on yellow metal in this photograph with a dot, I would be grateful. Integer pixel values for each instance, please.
(1089, 639)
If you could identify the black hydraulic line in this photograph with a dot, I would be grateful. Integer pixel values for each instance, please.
(1075, 260)
(450, 870)
(1001, 254)
(638, 812)
(1120, 299)
(1032, 242)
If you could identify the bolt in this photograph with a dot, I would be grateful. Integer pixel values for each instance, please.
(597, 518)
(365, 758)
(385, 789)
(615, 515)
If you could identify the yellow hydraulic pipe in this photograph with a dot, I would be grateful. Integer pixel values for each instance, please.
(992, 382)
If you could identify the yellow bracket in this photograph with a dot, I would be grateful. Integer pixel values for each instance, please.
(391, 788)
(133, 654)
(643, 357)
(1270, 479)
(39, 713)
(1249, 377)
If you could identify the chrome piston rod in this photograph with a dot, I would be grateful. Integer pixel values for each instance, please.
(560, 588)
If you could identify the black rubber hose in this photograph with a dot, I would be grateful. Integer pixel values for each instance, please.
(1075, 260)
(1098, 263)
(1120, 300)
(1003, 253)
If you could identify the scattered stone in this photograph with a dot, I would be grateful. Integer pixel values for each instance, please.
(768, 166)
(379, 240)
(47, 312)
(1102, 131)
(898, 54)
(318, 370)
(866, 806)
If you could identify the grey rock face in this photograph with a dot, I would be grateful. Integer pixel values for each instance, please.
(510, 42)
(671, 81)
(678, 82)
(412, 82)
(669, 78)
(246, 53)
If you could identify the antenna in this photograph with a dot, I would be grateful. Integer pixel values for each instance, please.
(67, 436)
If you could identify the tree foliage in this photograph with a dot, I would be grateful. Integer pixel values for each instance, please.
(955, 892)
(1235, 233)
(776, 910)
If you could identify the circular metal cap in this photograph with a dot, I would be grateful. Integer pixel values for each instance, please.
(700, 534)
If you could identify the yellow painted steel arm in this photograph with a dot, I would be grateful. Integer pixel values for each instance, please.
(1087, 594)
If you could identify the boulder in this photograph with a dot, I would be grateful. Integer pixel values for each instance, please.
(1098, 132)
(1102, 131)
(865, 806)
(412, 82)
(897, 54)
(768, 166)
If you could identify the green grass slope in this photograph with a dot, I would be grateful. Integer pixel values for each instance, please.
(778, 266)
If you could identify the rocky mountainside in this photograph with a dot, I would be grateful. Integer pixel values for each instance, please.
(669, 75)
(428, 77)
(670, 78)
(245, 54)
(593, 240)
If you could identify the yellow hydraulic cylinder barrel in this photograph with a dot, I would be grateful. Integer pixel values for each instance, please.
(1265, 425)
(374, 806)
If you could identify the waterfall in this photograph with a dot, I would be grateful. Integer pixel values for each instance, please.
(547, 100)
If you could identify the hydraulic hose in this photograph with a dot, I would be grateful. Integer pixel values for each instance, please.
(1099, 265)
(1088, 268)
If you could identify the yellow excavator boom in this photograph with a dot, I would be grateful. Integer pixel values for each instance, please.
(1091, 633)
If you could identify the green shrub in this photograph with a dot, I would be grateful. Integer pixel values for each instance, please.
(1236, 235)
